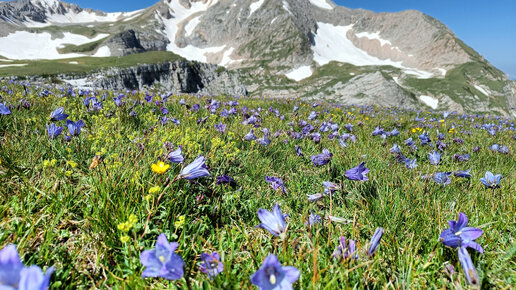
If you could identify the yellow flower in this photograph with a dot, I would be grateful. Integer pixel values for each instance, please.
(154, 189)
(442, 121)
(160, 168)
(413, 130)
(124, 227)
(133, 219)
(68, 173)
(180, 222)
(148, 197)
(124, 239)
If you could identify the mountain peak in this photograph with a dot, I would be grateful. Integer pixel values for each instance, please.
(46, 3)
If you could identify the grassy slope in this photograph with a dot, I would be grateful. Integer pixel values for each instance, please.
(85, 64)
(68, 216)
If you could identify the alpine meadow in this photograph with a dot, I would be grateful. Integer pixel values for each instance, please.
(223, 144)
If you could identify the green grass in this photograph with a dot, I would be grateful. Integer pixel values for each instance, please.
(87, 47)
(86, 64)
(67, 216)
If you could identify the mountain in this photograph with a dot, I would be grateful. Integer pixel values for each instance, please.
(311, 49)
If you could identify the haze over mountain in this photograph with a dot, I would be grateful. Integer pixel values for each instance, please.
(312, 49)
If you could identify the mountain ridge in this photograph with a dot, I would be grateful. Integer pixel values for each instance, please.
(288, 38)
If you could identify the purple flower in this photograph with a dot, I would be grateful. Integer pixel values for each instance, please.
(250, 136)
(272, 275)
(410, 164)
(162, 261)
(461, 158)
(312, 115)
(378, 131)
(224, 179)
(395, 149)
(358, 173)
(463, 173)
(313, 219)
(322, 159)
(10, 266)
(195, 169)
(33, 278)
(4, 110)
(176, 156)
(58, 115)
(315, 197)
(442, 178)
(53, 131)
(434, 157)
(273, 222)
(74, 128)
(220, 127)
(298, 151)
(468, 267)
(490, 180)
(459, 235)
(344, 251)
(211, 264)
(375, 241)
(265, 141)
(425, 139)
(276, 183)
(14, 275)
(330, 187)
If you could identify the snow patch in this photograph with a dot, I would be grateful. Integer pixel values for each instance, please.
(171, 30)
(300, 73)
(78, 83)
(73, 62)
(9, 65)
(254, 6)
(286, 6)
(321, 4)
(189, 28)
(41, 45)
(482, 90)
(226, 58)
(442, 71)
(72, 17)
(430, 101)
(103, 51)
(373, 36)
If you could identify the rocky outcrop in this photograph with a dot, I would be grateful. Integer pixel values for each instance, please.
(177, 77)
(366, 89)
(124, 43)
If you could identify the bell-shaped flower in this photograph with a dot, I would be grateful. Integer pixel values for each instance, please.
(162, 261)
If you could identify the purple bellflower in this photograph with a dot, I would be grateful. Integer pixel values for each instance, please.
(322, 159)
(176, 156)
(442, 178)
(463, 173)
(459, 235)
(58, 115)
(53, 131)
(272, 275)
(375, 241)
(490, 180)
(468, 267)
(346, 251)
(250, 136)
(14, 275)
(434, 157)
(74, 128)
(195, 169)
(162, 261)
(33, 278)
(273, 222)
(4, 110)
(358, 173)
(211, 264)
(276, 183)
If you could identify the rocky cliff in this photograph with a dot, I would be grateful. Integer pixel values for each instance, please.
(181, 77)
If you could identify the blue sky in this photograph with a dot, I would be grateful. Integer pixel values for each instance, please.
(487, 26)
